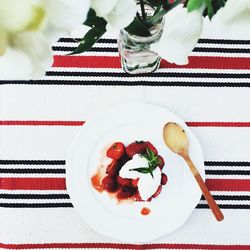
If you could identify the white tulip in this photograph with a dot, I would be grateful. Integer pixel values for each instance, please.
(234, 10)
(27, 29)
(119, 13)
(30, 57)
(233, 19)
(16, 15)
(182, 30)
(63, 16)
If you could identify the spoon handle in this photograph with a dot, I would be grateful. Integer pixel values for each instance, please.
(210, 200)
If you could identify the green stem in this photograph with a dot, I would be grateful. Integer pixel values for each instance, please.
(138, 16)
(159, 15)
(143, 13)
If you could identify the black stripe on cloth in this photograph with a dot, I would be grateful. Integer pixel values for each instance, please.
(70, 205)
(128, 83)
(63, 162)
(228, 163)
(36, 205)
(63, 171)
(197, 49)
(223, 41)
(32, 162)
(221, 50)
(77, 40)
(201, 40)
(228, 172)
(230, 197)
(66, 196)
(155, 74)
(34, 196)
(32, 171)
(226, 206)
(94, 49)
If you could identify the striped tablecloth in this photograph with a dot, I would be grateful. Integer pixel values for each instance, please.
(38, 120)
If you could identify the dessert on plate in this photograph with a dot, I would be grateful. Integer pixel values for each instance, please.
(131, 173)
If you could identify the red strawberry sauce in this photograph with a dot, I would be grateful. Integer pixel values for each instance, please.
(96, 181)
(145, 211)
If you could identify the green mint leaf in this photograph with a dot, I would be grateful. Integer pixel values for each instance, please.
(151, 169)
(153, 163)
(151, 173)
(141, 170)
(194, 5)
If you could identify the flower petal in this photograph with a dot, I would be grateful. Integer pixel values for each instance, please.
(181, 33)
(233, 20)
(103, 7)
(15, 15)
(63, 15)
(3, 41)
(37, 48)
(123, 13)
(15, 65)
(235, 9)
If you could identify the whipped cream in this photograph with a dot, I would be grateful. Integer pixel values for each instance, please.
(147, 185)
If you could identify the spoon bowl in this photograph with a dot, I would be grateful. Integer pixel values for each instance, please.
(175, 138)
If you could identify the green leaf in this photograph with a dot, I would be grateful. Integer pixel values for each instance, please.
(138, 28)
(218, 4)
(210, 10)
(89, 40)
(167, 6)
(155, 3)
(98, 28)
(194, 5)
(215, 6)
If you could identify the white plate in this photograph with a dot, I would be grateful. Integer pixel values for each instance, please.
(128, 122)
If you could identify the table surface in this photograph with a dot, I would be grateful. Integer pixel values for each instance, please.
(38, 120)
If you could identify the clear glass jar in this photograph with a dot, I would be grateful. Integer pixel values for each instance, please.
(136, 56)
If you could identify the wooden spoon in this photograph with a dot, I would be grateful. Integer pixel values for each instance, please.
(177, 141)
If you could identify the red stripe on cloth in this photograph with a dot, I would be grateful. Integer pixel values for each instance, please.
(59, 184)
(200, 62)
(228, 185)
(218, 124)
(40, 123)
(122, 246)
(87, 61)
(80, 123)
(212, 62)
(32, 183)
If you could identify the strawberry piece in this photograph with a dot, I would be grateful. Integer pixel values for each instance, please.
(164, 179)
(113, 168)
(162, 162)
(124, 181)
(158, 191)
(149, 199)
(150, 146)
(137, 196)
(109, 184)
(138, 147)
(116, 151)
(125, 192)
(134, 182)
